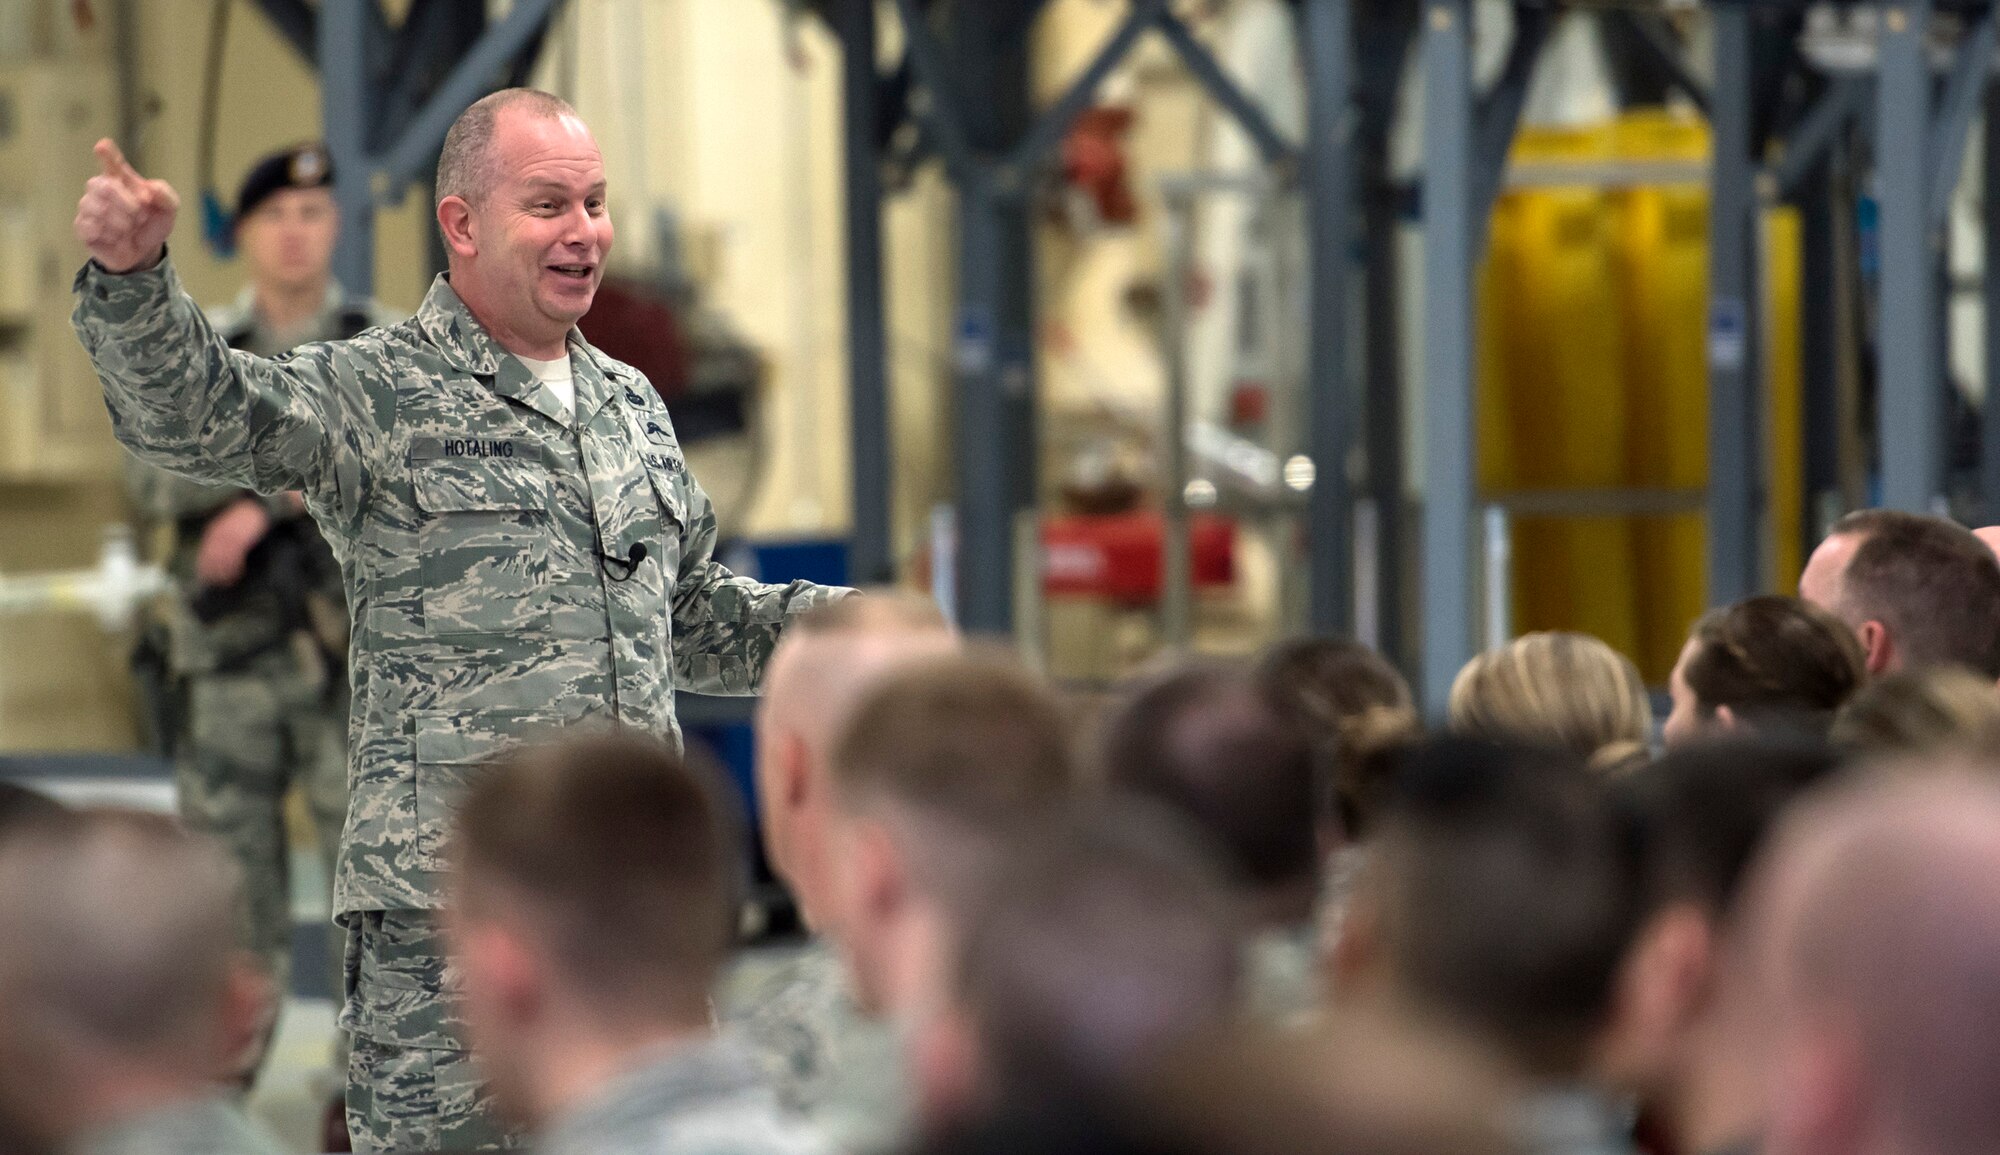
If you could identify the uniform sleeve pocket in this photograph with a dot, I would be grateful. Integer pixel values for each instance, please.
(484, 537)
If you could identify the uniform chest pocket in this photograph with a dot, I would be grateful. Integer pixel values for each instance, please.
(484, 538)
(673, 520)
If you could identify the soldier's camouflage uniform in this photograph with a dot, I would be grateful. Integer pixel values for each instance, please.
(483, 533)
(704, 1098)
(202, 1127)
(832, 1064)
(255, 683)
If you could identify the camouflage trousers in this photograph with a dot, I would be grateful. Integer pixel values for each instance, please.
(248, 738)
(411, 1085)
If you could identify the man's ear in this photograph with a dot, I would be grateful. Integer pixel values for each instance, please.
(247, 1013)
(1878, 645)
(454, 218)
(1354, 957)
(1664, 982)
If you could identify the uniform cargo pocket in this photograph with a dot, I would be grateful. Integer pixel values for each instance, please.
(485, 544)
(450, 750)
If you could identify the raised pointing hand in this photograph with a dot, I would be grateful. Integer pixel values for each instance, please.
(124, 219)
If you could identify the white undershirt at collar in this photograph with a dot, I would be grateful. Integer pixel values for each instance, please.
(556, 375)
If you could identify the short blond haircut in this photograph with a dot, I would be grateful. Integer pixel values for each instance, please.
(1564, 691)
(1919, 712)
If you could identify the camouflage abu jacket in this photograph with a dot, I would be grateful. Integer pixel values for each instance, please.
(473, 519)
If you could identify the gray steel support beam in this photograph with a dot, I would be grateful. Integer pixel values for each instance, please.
(1910, 404)
(1658, 44)
(1735, 568)
(983, 420)
(1817, 131)
(1449, 466)
(1500, 113)
(936, 102)
(1956, 108)
(1819, 307)
(1224, 90)
(1054, 124)
(416, 148)
(1329, 170)
(1989, 450)
(345, 101)
(871, 553)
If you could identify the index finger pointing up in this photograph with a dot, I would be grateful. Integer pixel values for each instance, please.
(114, 162)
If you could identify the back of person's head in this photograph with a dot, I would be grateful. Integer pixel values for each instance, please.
(1098, 937)
(1500, 898)
(1929, 582)
(1767, 663)
(614, 862)
(971, 738)
(1355, 707)
(1211, 742)
(119, 948)
(821, 670)
(1914, 711)
(1564, 691)
(1704, 811)
(1876, 923)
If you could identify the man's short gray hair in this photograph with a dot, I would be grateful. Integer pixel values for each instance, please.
(117, 933)
(465, 166)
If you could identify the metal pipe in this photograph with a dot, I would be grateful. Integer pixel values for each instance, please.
(1448, 254)
(1177, 556)
(1049, 130)
(1329, 36)
(870, 557)
(1734, 567)
(1910, 405)
(1970, 69)
(343, 72)
(1270, 143)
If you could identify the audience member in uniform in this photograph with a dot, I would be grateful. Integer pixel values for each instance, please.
(831, 1062)
(126, 989)
(1704, 812)
(1764, 665)
(1915, 711)
(1562, 691)
(1917, 591)
(1495, 908)
(1212, 744)
(595, 889)
(1096, 940)
(945, 760)
(1874, 926)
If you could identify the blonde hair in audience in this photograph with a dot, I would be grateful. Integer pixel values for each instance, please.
(1562, 690)
(1920, 711)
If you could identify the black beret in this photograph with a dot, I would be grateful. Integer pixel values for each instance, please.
(304, 166)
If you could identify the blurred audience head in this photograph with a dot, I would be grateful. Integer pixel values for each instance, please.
(1914, 711)
(1874, 926)
(1702, 812)
(1355, 708)
(822, 667)
(1213, 744)
(1766, 664)
(1917, 591)
(124, 984)
(1563, 691)
(21, 806)
(943, 759)
(595, 889)
(1497, 904)
(1098, 938)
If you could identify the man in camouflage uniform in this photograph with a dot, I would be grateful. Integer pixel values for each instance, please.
(253, 646)
(595, 883)
(521, 544)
